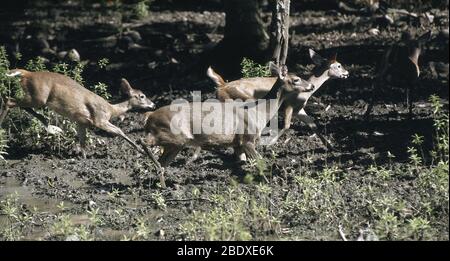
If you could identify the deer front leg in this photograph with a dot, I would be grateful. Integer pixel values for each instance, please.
(312, 125)
(410, 89)
(156, 163)
(82, 137)
(371, 103)
(288, 116)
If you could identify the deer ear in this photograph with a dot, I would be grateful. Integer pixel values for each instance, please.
(283, 72)
(274, 69)
(315, 57)
(333, 58)
(125, 87)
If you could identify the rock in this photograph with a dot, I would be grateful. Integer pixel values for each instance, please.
(72, 238)
(374, 31)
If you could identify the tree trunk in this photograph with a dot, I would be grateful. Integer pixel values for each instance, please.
(244, 25)
(279, 41)
(245, 36)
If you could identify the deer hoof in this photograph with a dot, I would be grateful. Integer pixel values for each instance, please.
(53, 130)
(268, 140)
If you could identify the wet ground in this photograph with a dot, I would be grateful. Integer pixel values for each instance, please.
(123, 187)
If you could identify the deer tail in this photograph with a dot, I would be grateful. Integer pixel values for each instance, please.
(217, 79)
(16, 72)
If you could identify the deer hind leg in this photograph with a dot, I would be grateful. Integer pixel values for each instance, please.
(116, 131)
(250, 151)
(51, 129)
(240, 154)
(195, 155)
(410, 89)
(7, 104)
(312, 125)
(156, 163)
(169, 154)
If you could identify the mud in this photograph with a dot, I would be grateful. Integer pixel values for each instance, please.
(173, 40)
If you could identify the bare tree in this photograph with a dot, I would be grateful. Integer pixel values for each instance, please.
(279, 41)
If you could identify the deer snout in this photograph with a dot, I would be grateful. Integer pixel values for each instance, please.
(345, 75)
(308, 87)
(151, 105)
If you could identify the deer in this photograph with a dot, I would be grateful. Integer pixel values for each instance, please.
(256, 87)
(399, 65)
(68, 98)
(161, 131)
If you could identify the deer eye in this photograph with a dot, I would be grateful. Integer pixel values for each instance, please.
(297, 80)
(339, 66)
(142, 96)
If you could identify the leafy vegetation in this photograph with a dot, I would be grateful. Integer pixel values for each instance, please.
(252, 69)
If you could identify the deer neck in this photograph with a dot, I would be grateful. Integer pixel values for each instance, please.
(317, 81)
(414, 55)
(273, 101)
(120, 108)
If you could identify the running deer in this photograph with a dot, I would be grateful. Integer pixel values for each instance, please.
(400, 66)
(254, 88)
(69, 99)
(173, 138)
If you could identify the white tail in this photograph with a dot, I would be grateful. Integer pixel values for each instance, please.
(217, 79)
(13, 73)
(68, 98)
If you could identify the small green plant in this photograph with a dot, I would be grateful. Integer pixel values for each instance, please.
(18, 218)
(252, 69)
(77, 71)
(388, 225)
(101, 89)
(36, 65)
(64, 226)
(234, 215)
(258, 170)
(114, 194)
(140, 9)
(62, 68)
(440, 151)
(3, 144)
(142, 230)
(418, 227)
(102, 63)
(159, 200)
(9, 86)
(94, 217)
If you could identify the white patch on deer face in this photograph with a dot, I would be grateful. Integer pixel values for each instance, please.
(338, 71)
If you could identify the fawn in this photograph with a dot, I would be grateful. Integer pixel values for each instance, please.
(173, 138)
(254, 88)
(69, 99)
(400, 65)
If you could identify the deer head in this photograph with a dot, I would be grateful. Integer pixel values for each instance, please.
(137, 99)
(334, 68)
(289, 82)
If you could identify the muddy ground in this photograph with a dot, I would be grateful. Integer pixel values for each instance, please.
(307, 192)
